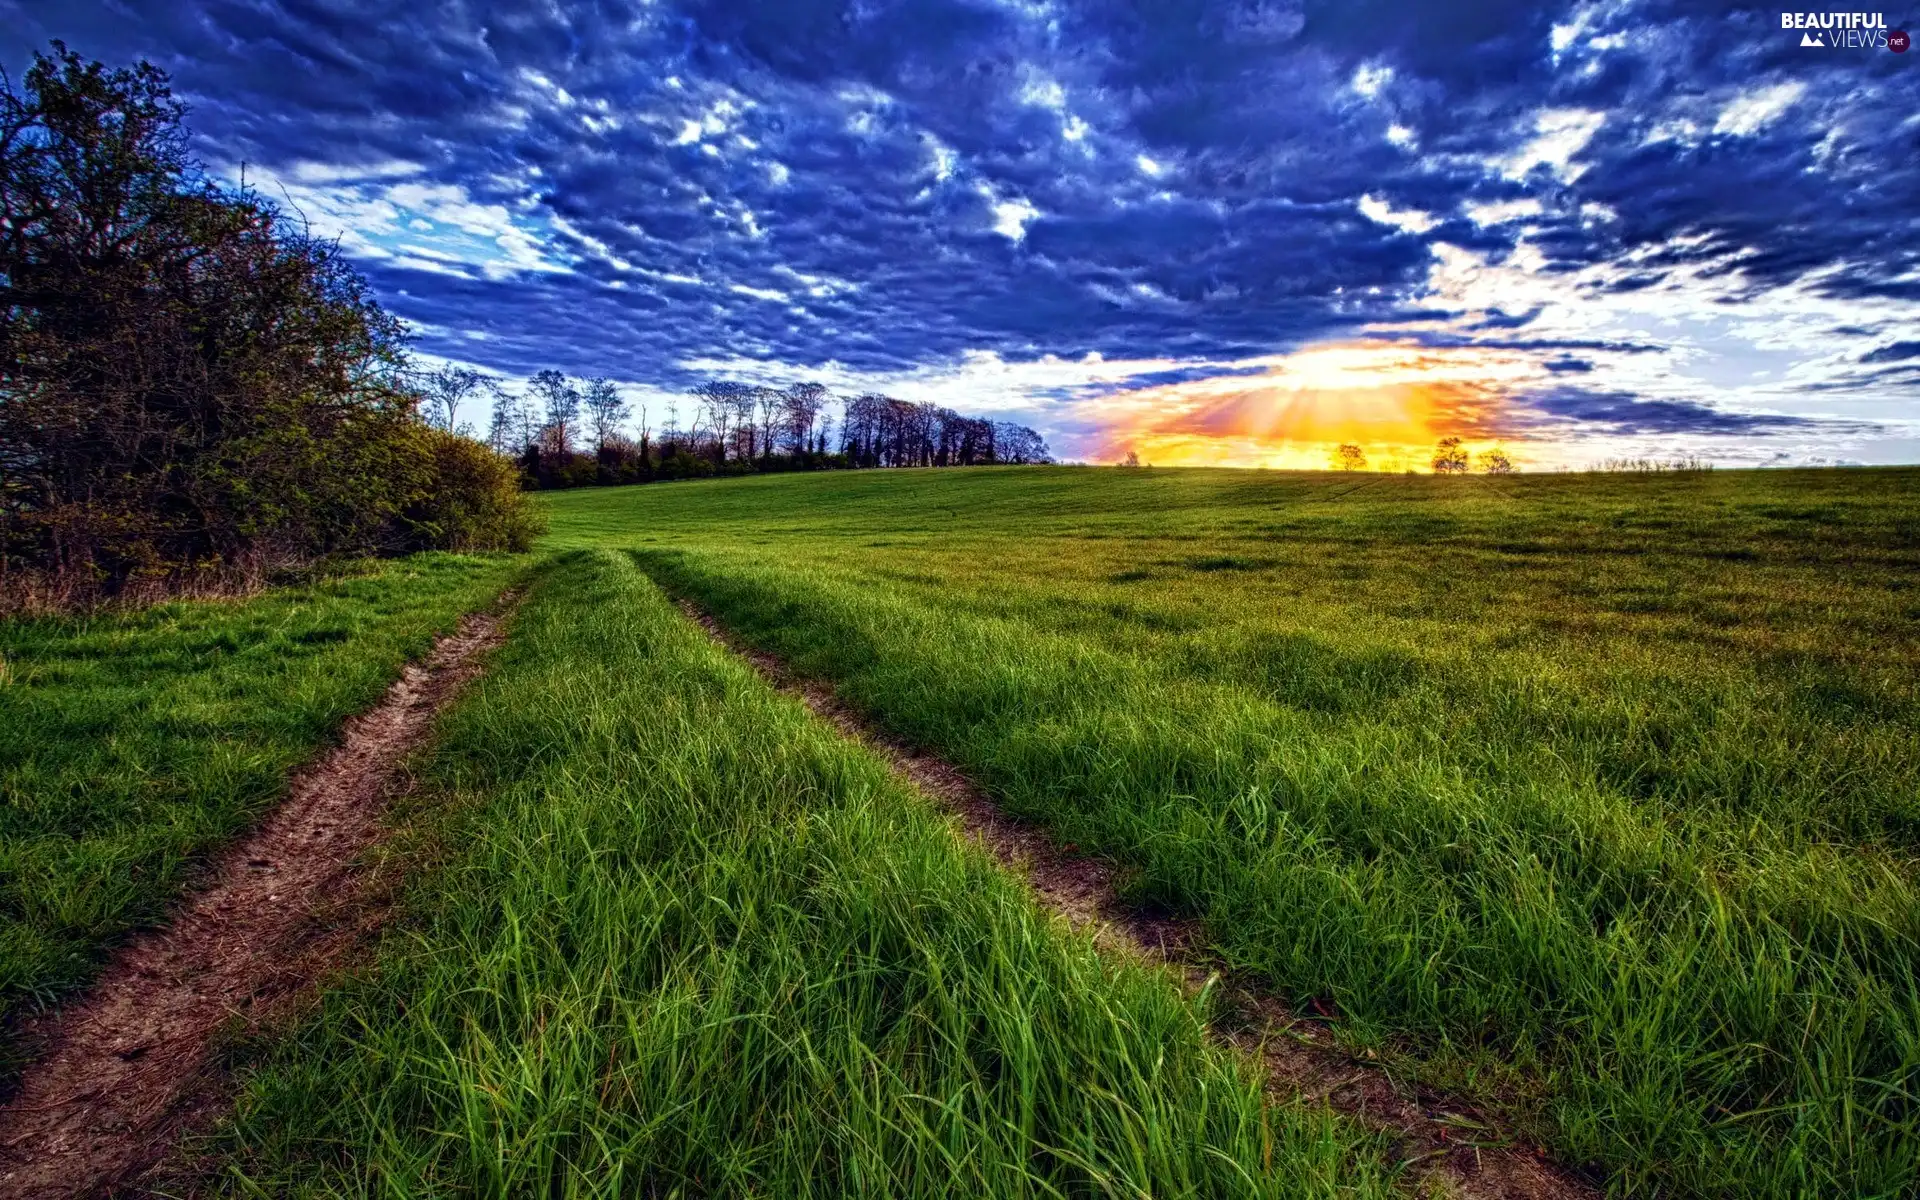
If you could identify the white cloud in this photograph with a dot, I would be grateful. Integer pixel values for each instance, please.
(1369, 79)
(1560, 133)
(1702, 334)
(559, 95)
(1753, 111)
(1043, 92)
(817, 285)
(1502, 212)
(316, 174)
(1373, 208)
(414, 222)
(757, 293)
(1010, 217)
(944, 156)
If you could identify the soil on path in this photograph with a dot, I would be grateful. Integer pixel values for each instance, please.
(1445, 1142)
(126, 1068)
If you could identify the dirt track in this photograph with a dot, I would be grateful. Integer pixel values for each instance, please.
(125, 1068)
(1444, 1142)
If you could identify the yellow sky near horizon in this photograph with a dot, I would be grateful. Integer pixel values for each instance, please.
(1394, 400)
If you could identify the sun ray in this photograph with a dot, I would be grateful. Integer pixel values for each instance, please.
(1394, 400)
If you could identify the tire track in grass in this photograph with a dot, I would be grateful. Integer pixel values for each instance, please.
(127, 1067)
(1444, 1142)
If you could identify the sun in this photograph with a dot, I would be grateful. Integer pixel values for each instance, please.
(1393, 400)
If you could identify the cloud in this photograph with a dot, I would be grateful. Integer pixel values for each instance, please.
(1753, 111)
(1673, 195)
(1373, 208)
(1624, 413)
(1897, 352)
(1560, 135)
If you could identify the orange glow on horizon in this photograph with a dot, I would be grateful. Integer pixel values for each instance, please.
(1394, 401)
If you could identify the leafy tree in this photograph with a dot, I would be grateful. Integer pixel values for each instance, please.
(1496, 462)
(1350, 457)
(1449, 457)
(186, 380)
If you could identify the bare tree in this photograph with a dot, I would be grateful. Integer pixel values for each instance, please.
(1350, 457)
(721, 401)
(561, 401)
(802, 403)
(503, 434)
(1019, 444)
(769, 405)
(744, 402)
(446, 389)
(606, 410)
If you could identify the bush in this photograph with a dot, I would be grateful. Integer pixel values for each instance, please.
(471, 498)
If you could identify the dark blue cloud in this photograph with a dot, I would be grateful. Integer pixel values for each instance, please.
(1897, 352)
(885, 185)
(1622, 412)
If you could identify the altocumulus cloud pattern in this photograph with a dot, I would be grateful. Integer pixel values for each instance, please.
(1223, 232)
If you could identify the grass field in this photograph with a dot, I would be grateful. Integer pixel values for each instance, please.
(1594, 796)
(684, 939)
(131, 743)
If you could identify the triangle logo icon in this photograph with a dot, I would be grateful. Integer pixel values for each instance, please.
(1812, 39)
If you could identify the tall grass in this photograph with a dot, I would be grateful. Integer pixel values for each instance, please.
(686, 940)
(131, 743)
(1594, 795)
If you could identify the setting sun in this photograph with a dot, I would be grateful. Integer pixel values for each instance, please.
(1394, 401)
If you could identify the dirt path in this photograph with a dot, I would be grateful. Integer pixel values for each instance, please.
(126, 1068)
(1446, 1143)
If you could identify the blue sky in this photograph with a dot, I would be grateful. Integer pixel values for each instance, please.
(1220, 231)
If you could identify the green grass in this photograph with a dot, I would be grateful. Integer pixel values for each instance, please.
(133, 743)
(683, 939)
(1597, 796)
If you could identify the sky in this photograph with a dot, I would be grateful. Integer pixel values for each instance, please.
(1232, 232)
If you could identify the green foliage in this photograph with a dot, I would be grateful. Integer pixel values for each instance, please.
(186, 381)
(469, 498)
(688, 940)
(1592, 795)
(133, 743)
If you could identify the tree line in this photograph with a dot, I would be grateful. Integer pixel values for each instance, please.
(189, 381)
(1449, 458)
(568, 432)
